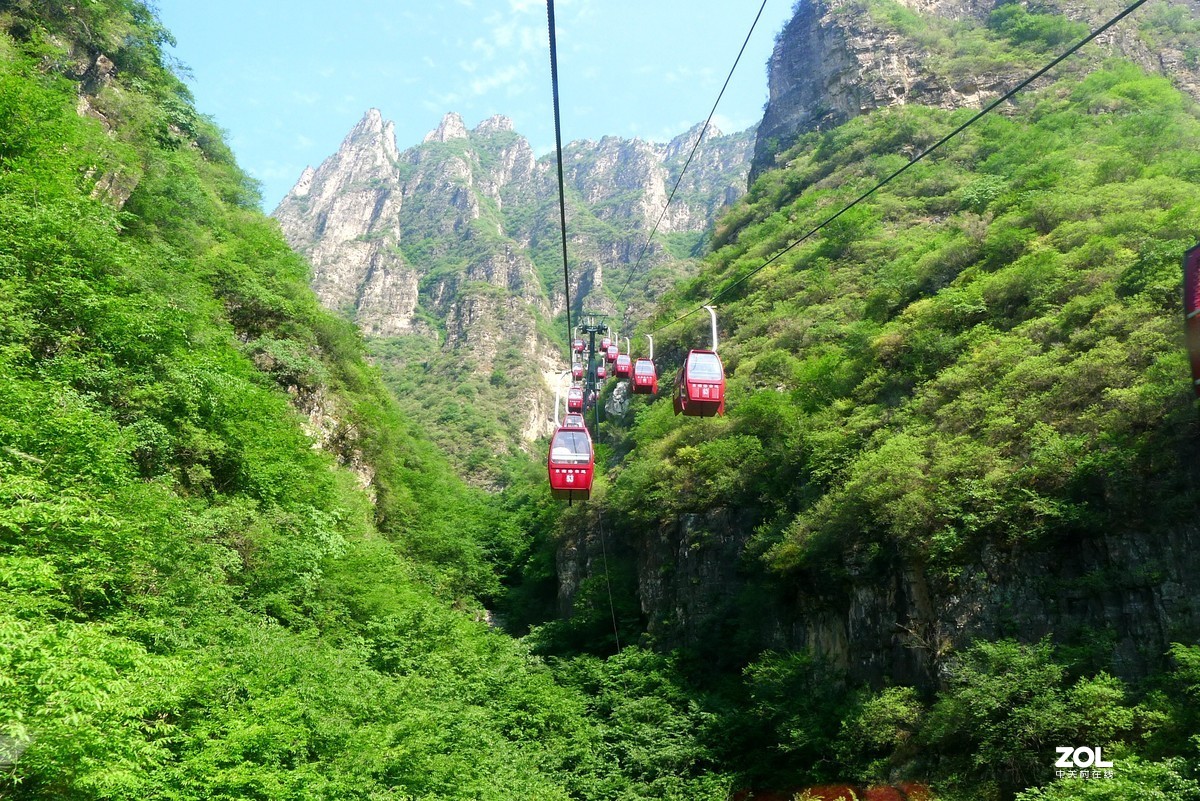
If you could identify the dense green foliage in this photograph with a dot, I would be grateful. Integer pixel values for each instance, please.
(467, 411)
(986, 352)
(987, 348)
(194, 601)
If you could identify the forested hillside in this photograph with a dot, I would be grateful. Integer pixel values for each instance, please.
(945, 526)
(957, 470)
(196, 602)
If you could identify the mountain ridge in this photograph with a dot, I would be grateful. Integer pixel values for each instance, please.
(837, 59)
(456, 240)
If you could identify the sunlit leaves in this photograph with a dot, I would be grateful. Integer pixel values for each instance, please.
(940, 373)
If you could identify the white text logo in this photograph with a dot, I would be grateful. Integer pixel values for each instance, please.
(1081, 757)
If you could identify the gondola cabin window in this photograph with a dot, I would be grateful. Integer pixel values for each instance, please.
(571, 447)
(704, 367)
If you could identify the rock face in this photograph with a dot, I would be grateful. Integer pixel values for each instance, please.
(889, 619)
(365, 207)
(837, 59)
(451, 238)
(344, 216)
(886, 618)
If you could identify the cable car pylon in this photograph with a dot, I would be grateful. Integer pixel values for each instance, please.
(593, 374)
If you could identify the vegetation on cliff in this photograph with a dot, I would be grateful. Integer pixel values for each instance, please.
(986, 353)
(196, 602)
(989, 347)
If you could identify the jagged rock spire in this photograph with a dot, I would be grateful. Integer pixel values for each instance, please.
(451, 127)
(493, 124)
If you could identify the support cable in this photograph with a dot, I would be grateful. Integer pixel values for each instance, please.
(562, 203)
(612, 609)
(562, 210)
(695, 147)
(1006, 96)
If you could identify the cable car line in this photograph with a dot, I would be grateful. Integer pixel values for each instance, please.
(570, 463)
(1006, 96)
(612, 609)
(695, 147)
(562, 204)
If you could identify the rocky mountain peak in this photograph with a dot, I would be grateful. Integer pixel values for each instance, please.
(371, 122)
(303, 185)
(451, 127)
(331, 209)
(371, 133)
(682, 145)
(496, 123)
(833, 62)
(369, 149)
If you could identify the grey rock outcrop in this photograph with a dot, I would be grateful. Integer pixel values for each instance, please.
(889, 618)
(836, 60)
(343, 216)
(451, 127)
(441, 239)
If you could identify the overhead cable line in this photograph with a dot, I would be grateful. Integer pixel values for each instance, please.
(695, 147)
(1006, 96)
(612, 609)
(562, 204)
(562, 210)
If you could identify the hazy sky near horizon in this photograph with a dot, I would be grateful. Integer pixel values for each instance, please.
(288, 80)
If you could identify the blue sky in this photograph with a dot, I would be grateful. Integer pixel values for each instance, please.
(287, 80)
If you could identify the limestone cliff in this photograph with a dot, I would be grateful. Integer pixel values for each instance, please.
(344, 216)
(890, 619)
(1120, 591)
(456, 239)
(837, 59)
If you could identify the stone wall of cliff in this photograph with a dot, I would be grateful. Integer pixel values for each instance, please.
(457, 238)
(837, 59)
(885, 618)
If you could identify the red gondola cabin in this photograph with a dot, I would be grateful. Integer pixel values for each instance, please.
(604, 343)
(575, 399)
(571, 463)
(577, 370)
(577, 346)
(612, 353)
(700, 387)
(623, 368)
(601, 372)
(645, 377)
